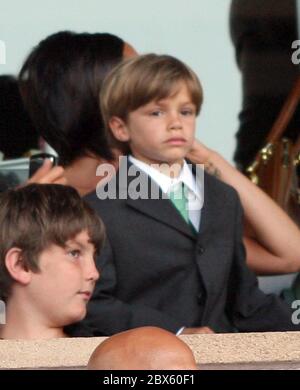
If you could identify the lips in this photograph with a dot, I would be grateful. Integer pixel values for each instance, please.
(85, 294)
(176, 141)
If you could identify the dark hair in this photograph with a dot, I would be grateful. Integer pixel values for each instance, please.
(38, 215)
(60, 83)
(17, 132)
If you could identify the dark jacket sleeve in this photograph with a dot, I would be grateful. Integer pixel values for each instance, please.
(108, 315)
(250, 308)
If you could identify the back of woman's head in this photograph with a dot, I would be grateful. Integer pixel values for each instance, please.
(17, 133)
(60, 83)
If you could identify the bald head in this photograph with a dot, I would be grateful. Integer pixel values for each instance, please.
(146, 348)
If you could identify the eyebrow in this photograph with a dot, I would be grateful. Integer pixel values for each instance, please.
(81, 246)
(189, 103)
(162, 103)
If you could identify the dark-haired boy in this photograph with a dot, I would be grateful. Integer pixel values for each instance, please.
(48, 240)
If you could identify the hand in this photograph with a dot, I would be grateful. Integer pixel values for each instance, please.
(199, 330)
(199, 154)
(48, 175)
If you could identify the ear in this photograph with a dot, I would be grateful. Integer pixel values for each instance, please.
(119, 129)
(15, 266)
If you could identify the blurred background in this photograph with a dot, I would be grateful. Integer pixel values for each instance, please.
(195, 31)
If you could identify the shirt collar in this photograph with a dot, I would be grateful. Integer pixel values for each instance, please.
(165, 182)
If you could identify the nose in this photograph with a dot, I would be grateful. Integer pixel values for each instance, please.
(91, 273)
(175, 122)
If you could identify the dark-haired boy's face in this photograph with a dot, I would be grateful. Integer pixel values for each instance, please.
(65, 282)
(163, 131)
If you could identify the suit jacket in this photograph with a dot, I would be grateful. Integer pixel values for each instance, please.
(155, 271)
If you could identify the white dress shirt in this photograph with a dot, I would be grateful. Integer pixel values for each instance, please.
(166, 183)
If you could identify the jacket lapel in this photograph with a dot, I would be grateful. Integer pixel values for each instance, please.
(164, 212)
(152, 201)
(213, 203)
(210, 220)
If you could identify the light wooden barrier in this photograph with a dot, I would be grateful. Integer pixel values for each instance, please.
(222, 351)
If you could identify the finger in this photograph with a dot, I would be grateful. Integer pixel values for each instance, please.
(41, 172)
(53, 175)
(205, 329)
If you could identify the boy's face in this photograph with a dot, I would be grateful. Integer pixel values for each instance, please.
(162, 131)
(63, 287)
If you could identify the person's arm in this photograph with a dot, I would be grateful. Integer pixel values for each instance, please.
(248, 308)
(107, 315)
(273, 245)
(48, 175)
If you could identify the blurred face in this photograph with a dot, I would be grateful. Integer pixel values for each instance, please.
(163, 131)
(64, 285)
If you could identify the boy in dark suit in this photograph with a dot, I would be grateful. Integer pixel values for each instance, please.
(174, 256)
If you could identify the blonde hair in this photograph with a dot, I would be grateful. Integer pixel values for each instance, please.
(142, 79)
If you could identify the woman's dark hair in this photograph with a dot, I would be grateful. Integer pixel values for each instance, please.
(60, 83)
(17, 132)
